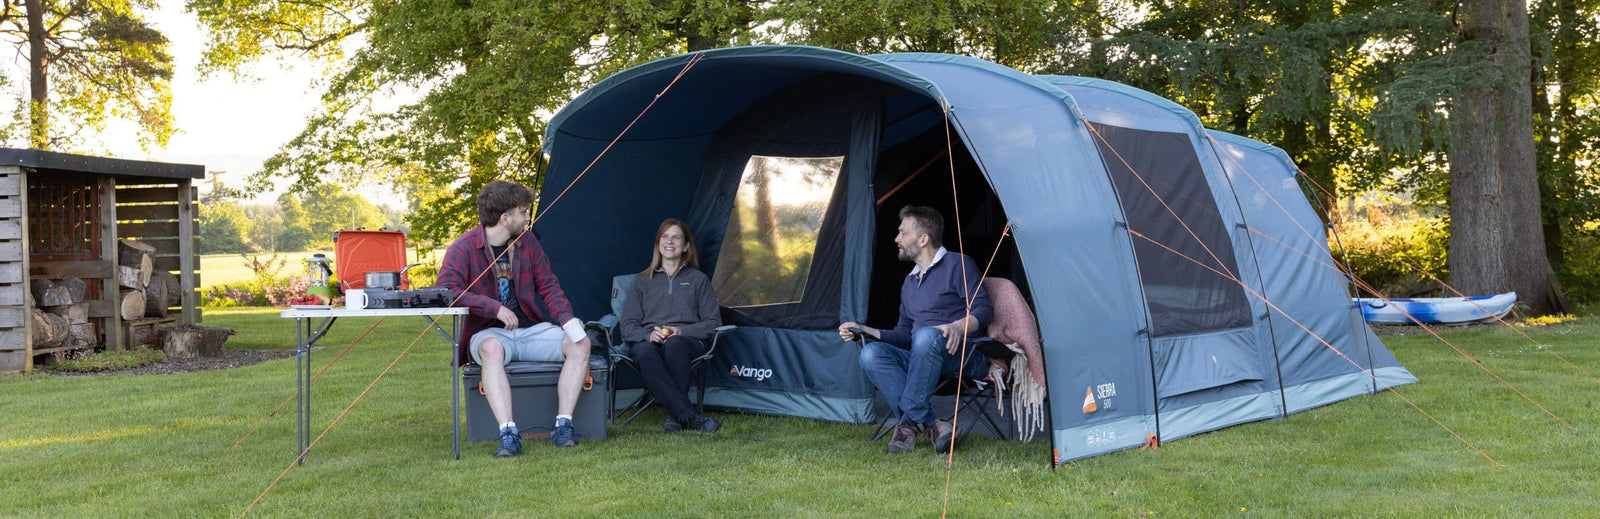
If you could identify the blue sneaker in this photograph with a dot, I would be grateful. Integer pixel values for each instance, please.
(564, 435)
(510, 443)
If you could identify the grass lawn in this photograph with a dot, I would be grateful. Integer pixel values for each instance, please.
(159, 446)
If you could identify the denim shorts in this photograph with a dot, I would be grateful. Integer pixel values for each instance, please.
(540, 342)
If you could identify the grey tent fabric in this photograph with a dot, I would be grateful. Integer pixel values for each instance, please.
(1138, 235)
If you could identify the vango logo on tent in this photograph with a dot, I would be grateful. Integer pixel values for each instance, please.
(1088, 401)
(760, 374)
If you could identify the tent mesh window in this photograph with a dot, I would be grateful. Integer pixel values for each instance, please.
(1183, 296)
(772, 231)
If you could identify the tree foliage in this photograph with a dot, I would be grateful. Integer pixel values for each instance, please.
(223, 227)
(89, 61)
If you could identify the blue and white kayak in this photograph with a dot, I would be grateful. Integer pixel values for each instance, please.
(1437, 310)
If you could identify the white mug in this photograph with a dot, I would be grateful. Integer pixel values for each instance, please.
(355, 299)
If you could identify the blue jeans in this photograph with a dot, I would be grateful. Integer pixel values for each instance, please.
(907, 378)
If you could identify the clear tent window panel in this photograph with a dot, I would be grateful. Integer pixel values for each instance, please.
(772, 231)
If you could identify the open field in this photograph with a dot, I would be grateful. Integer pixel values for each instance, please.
(159, 446)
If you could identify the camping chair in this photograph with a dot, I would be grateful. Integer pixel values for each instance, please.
(975, 387)
(609, 329)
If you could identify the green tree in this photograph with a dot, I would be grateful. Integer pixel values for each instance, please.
(223, 226)
(329, 208)
(297, 233)
(88, 62)
(266, 225)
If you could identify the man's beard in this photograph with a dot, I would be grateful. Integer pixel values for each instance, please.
(906, 256)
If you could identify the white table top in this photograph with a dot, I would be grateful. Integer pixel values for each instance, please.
(340, 311)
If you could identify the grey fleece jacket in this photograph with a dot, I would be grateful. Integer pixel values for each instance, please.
(684, 300)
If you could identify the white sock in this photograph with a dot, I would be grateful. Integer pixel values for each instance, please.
(560, 416)
(512, 425)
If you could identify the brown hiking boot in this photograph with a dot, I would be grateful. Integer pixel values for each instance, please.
(943, 434)
(904, 440)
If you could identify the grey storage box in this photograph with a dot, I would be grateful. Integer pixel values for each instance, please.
(533, 401)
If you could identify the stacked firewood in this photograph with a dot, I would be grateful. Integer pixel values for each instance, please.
(60, 315)
(146, 292)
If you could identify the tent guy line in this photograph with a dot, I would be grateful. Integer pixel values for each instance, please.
(1480, 364)
(1350, 273)
(1325, 343)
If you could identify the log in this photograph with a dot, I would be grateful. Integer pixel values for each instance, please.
(53, 296)
(174, 288)
(142, 335)
(155, 299)
(76, 313)
(129, 277)
(138, 255)
(83, 334)
(48, 329)
(189, 341)
(76, 288)
(132, 306)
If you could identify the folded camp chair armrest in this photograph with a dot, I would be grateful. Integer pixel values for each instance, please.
(716, 336)
(606, 323)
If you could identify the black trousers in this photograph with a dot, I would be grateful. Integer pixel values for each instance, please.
(665, 370)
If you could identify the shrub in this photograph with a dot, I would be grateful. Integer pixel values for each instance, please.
(1580, 262)
(1386, 243)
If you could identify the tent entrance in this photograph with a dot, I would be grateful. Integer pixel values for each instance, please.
(982, 216)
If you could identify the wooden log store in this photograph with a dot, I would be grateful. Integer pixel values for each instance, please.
(95, 253)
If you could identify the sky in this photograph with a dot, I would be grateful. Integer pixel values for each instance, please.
(226, 124)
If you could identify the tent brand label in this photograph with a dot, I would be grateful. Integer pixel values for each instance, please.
(1098, 397)
(760, 374)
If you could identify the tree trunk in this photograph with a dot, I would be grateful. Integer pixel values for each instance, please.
(1528, 267)
(38, 85)
(1496, 238)
(187, 342)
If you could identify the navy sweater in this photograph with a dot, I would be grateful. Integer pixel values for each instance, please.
(940, 298)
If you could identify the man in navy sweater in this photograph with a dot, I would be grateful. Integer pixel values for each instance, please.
(935, 324)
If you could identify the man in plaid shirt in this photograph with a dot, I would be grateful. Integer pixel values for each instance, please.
(497, 268)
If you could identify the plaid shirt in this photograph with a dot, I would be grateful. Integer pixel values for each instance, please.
(468, 260)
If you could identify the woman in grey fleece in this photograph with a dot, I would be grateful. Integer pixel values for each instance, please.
(666, 322)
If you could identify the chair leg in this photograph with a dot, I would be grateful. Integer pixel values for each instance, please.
(644, 402)
(974, 404)
(883, 428)
(700, 404)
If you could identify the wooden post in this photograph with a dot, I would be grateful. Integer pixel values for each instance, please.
(17, 338)
(111, 326)
(188, 262)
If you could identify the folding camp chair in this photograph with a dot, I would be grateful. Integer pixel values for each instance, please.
(609, 329)
(975, 388)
